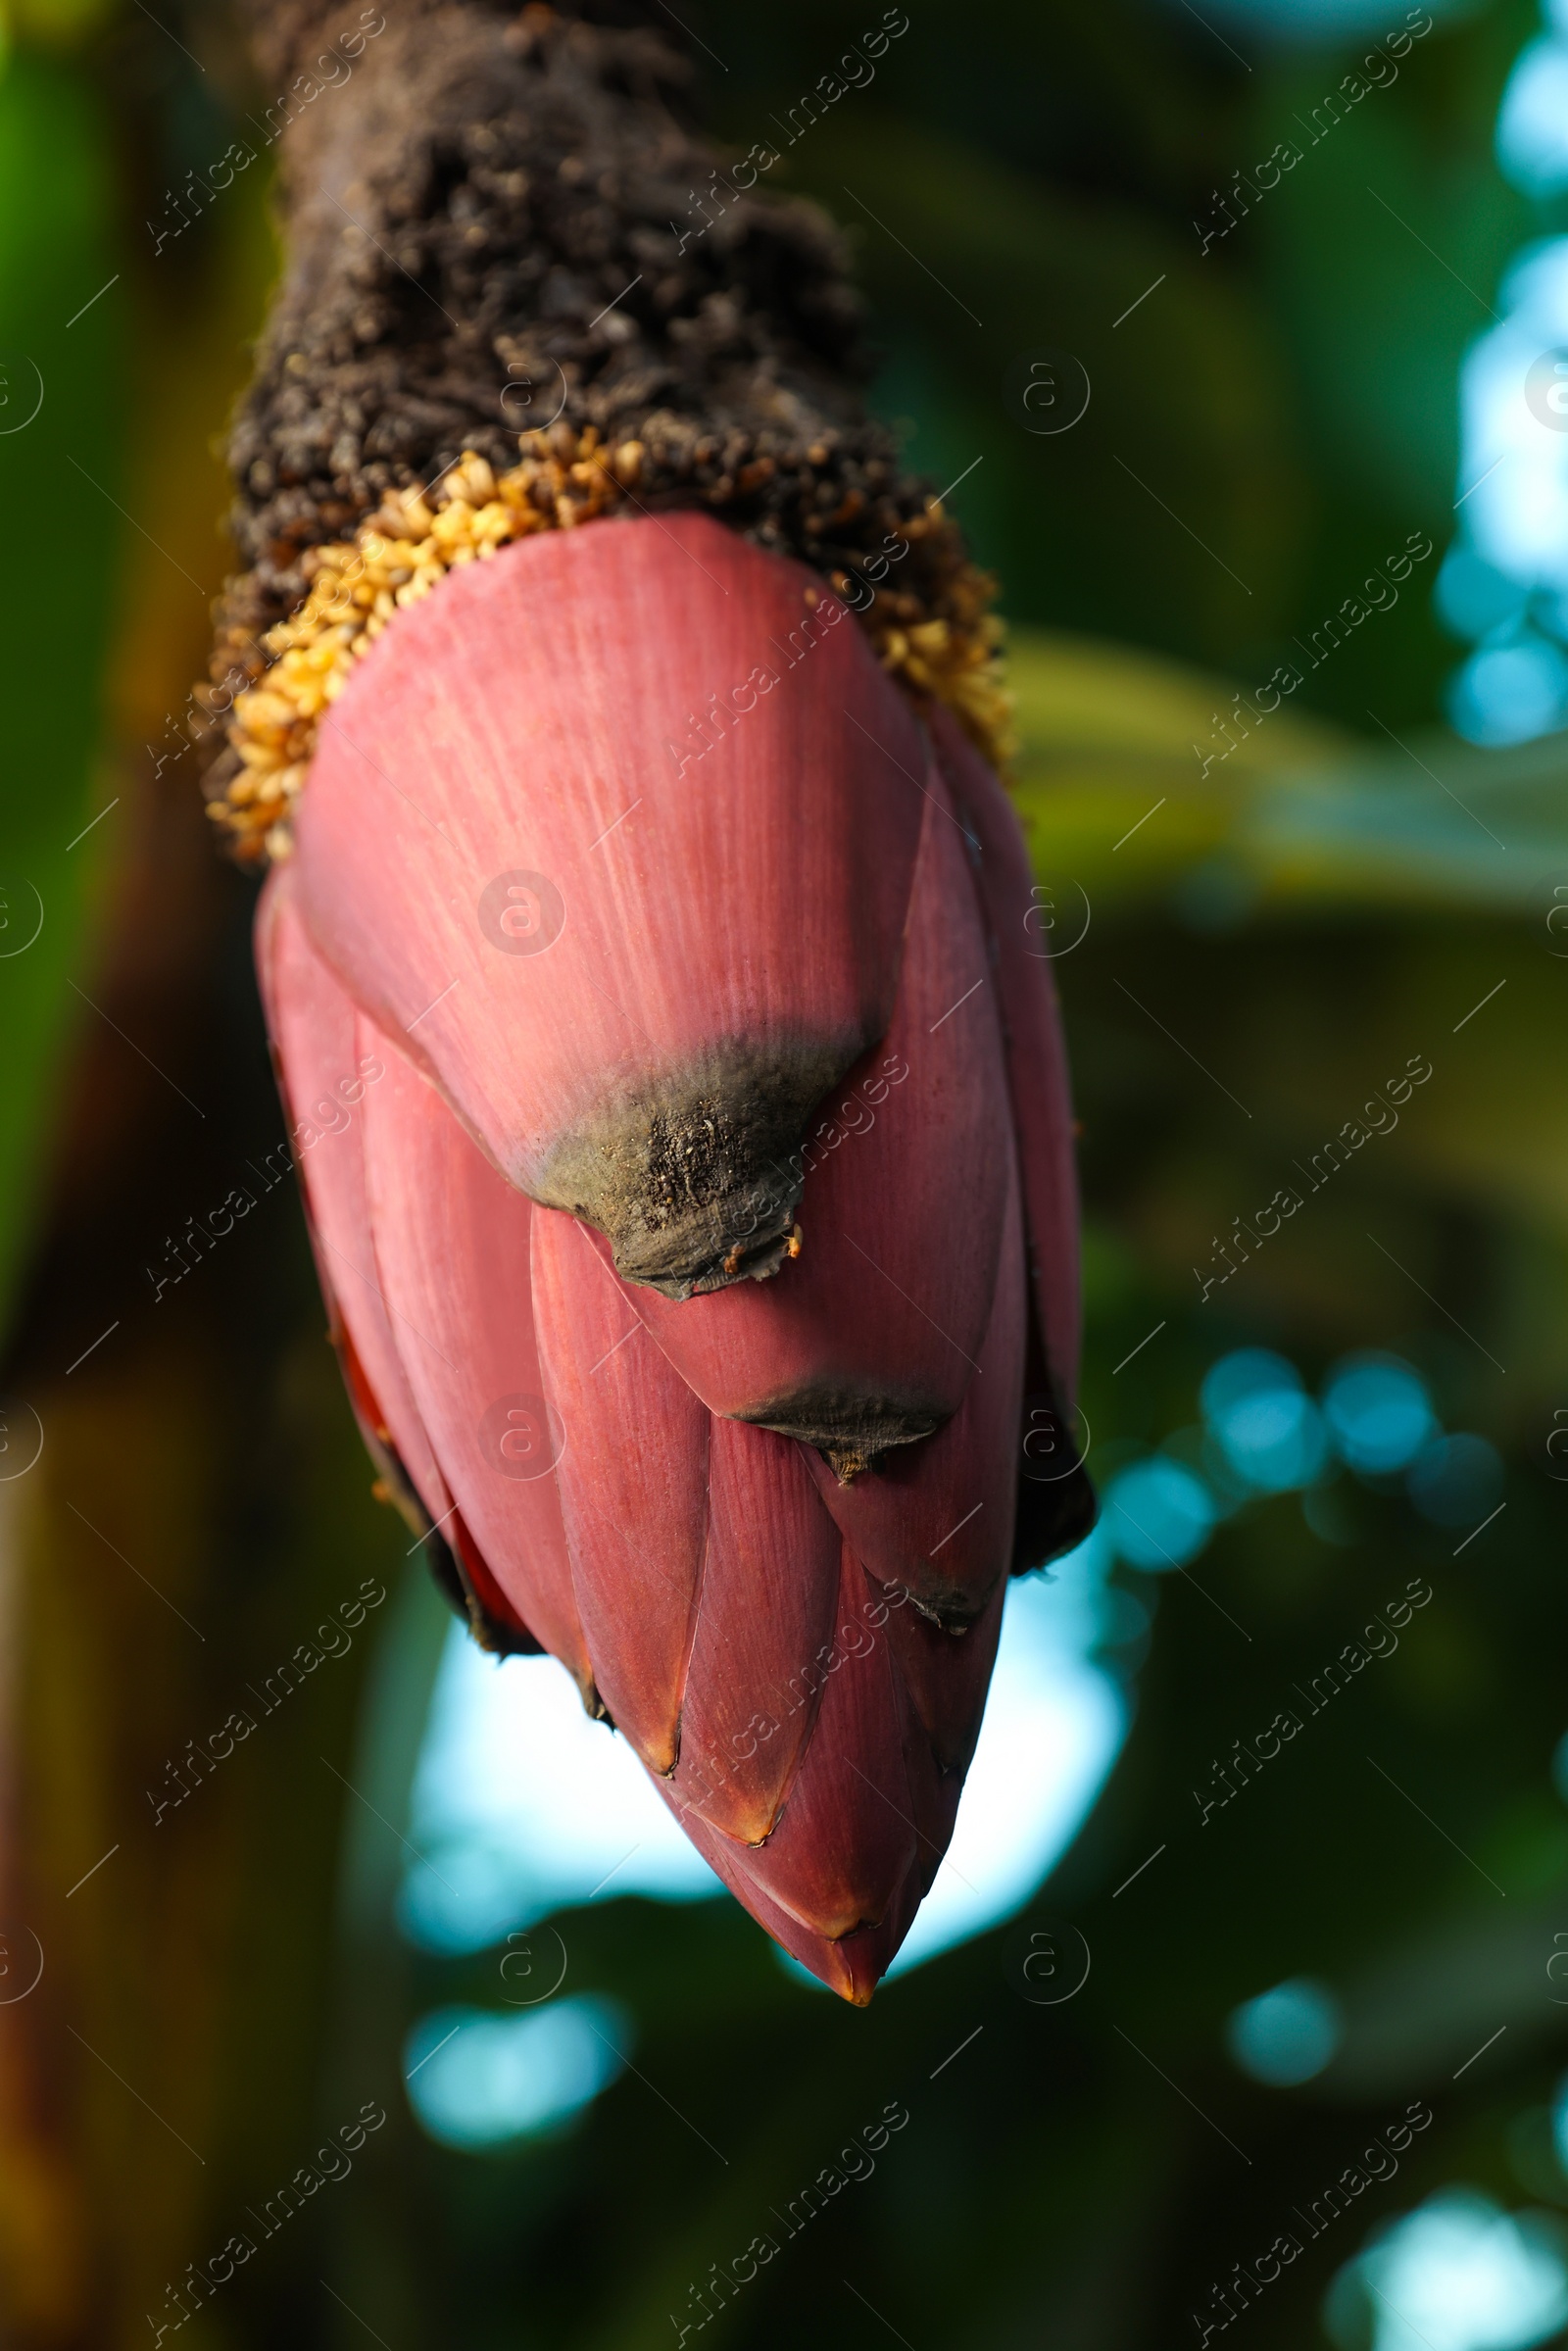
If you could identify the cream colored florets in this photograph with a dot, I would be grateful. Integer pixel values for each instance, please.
(413, 539)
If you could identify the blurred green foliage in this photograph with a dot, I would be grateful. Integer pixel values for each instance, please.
(1289, 394)
(61, 431)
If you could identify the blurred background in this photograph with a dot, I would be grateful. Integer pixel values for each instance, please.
(1243, 1998)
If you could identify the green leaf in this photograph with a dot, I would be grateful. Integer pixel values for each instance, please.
(60, 437)
(1113, 739)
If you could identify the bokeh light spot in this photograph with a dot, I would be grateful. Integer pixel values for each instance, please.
(1533, 120)
(1269, 1432)
(1378, 1412)
(477, 2081)
(1158, 1514)
(1458, 2274)
(1509, 693)
(1285, 2035)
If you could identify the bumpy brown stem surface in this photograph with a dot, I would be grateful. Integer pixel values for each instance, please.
(496, 222)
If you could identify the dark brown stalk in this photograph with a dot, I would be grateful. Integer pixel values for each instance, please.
(498, 223)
